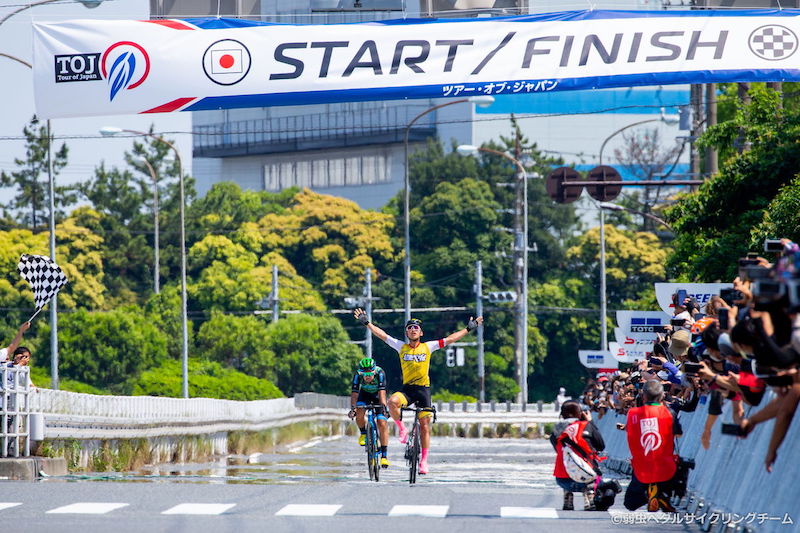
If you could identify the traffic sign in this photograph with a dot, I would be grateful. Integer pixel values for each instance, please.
(563, 194)
(603, 193)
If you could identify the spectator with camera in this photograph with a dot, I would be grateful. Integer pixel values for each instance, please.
(576, 441)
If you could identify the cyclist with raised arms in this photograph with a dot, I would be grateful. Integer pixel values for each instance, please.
(415, 361)
(369, 388)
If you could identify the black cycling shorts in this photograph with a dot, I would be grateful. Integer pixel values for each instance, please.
(417, 394)
(367, 398)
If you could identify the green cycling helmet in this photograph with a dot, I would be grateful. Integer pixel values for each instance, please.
(366, 365)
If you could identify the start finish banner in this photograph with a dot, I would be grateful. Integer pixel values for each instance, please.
(101, 67)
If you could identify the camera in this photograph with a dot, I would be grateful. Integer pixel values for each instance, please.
(636, 377)
(677, 322)
(692, 368)
(680, 297)
(773, 245)
(753, 272)
(766, 291)
(730, 295)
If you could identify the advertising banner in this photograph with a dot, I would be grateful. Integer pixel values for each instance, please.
(625, 355)
(635, 341)
(596, 359)
(642, 321)
(105, 67)
(702, 292)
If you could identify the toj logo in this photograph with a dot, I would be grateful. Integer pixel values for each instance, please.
(226, 62)
(124, 64)
(773, 42)
(77, 67)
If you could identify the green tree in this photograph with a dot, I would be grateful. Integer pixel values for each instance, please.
(106, 349)
(164, 309)
(634, 261)
(31, 190)
(312, 354)
(731, 212)
(239, 342)
(207, 379)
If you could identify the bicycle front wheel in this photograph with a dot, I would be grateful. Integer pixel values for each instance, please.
(414, 459)
(376, 455)
(370, 449)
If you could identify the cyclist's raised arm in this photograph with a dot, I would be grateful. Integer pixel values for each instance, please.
(362, 317)
(460, 334)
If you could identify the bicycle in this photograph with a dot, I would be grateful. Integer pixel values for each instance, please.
(413, 446)
(372, 446)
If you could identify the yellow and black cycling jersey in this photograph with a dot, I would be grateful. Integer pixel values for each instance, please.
(415, 362)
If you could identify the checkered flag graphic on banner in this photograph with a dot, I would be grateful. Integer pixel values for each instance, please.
(44, 276)
(773, 42)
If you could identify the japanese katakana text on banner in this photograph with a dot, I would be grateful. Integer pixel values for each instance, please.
(100, 67)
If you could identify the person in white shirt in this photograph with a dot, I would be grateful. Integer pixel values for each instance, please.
(4, 352)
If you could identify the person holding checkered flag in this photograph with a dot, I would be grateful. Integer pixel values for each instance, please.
(44, 276)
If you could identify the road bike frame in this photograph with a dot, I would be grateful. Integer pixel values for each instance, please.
(372, 446)
(413, 447)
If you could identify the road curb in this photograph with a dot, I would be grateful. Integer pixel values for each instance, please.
(30, 468)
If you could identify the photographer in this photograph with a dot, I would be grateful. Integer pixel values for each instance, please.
(651, 430)
(584, 439)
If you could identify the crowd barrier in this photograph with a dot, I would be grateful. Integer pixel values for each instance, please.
(729, 485)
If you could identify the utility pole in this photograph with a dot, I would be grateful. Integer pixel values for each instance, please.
(694, 103)
(273, 298)
(479, 312)
(712, 160)
(368, 291)
(520, 273)
(743, 90)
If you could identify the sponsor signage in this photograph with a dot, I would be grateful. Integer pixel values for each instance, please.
(103, 67)
(624, 355)
(628, 339)
(702, 292)
(642, 321)
(596, 359)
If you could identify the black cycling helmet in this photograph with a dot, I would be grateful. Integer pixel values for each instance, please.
(414, 322)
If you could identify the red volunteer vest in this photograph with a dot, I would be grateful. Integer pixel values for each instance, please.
(575, 432)
(651, 442)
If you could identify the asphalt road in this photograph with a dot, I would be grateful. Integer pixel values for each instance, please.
(488, 485)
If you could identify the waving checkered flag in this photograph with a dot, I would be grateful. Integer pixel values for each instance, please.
(44, 276)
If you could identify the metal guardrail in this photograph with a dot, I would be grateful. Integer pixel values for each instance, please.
(88, 416)
(730, 476)
(15, 389)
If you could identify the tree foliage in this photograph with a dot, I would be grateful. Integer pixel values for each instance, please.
(312, 354)
(239, 342)
(732, 211)
(207, 379)
(105, 349)
(32, 191)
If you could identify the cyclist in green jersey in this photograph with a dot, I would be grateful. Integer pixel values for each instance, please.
(369, 388)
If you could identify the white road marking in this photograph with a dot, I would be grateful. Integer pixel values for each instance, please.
(8, 505)
(199, 508)
(313, 442)
(87, 508)
(295, 509)
(433, 511)
(528, 512)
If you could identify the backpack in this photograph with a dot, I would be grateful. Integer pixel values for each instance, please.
(576, 464)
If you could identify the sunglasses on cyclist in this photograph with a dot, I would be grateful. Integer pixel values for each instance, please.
(367, 374)
(413, 326)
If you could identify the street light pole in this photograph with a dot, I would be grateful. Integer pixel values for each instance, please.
(481, 101)
(521, 265)
(603, 297)
(109, 131)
